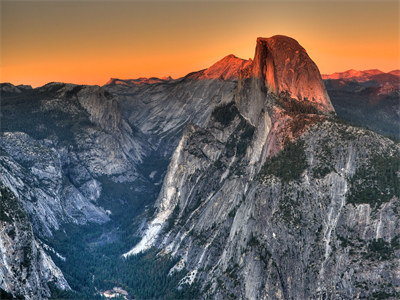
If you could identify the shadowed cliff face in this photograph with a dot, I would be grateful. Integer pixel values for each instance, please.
(57, 143)
(25, 268)
(67, 155)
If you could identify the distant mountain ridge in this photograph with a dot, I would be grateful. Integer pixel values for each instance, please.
(366, 75)
(140, 80)
(368, 98)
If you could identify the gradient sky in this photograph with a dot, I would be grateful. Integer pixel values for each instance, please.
(89, 42)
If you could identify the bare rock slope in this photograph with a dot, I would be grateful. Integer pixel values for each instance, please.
(273, 198)
(25, 269)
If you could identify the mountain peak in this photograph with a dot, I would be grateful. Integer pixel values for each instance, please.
(286, 67)
(282, 41)
(227, 68)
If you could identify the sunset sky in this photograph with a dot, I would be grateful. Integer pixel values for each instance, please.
(89, 42)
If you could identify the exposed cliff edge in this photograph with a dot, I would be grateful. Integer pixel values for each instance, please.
(286, 67)
(267, 197)
(274, 89)
(56, 164)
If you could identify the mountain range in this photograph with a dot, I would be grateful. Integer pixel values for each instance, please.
(251, 179)
(367, 98)
(366, 75)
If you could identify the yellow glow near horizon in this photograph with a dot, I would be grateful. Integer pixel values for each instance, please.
(89, 42)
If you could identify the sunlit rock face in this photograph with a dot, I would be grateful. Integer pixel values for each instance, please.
(286, 67)
(257, 201)
(228, 68)
(281, 77)
(353, 75)
(262, 84)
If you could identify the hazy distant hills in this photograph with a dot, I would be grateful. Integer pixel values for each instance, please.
(366, 75)
(141, 80)
(369, 98)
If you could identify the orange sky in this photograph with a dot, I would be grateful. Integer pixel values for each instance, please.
(89, 42)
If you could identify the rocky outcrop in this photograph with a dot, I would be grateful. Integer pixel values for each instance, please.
(259, 108)
(62, 148)
(278, 233)
(162, 110)
(56, 166)
(37, 178)
(25, 268)
(273, 198)
(286, 67)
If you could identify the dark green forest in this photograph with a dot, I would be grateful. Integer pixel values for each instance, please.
(91, 265)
